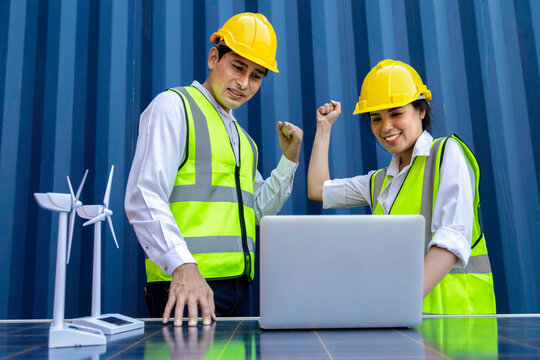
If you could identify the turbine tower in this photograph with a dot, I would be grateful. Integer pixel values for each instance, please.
(63, 334)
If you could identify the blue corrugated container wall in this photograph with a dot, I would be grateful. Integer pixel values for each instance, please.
(75, 75)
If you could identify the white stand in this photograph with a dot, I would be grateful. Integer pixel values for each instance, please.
(64, 334)
(110, 324)
(125, 336)
(70, 335)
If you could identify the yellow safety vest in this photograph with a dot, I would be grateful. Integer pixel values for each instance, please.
(467, 290)
(212, 200)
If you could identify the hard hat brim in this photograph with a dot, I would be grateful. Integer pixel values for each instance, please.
(357, 109)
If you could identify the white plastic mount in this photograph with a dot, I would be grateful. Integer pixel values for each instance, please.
(110, 324)
(70, 335)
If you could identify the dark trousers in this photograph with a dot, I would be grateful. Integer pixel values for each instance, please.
(231, 297)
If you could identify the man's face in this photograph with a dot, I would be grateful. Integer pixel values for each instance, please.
(233, 79)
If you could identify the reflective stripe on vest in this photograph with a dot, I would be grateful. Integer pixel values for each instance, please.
(212, 200)
(466, 290)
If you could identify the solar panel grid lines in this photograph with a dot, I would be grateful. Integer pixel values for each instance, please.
(436, 338)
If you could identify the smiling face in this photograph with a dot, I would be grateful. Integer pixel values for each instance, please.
(233, 79)
(397, 129)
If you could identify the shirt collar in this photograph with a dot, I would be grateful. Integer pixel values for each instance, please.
(206, 93)
(422, 147)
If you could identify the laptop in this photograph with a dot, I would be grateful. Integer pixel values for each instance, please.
(341, 271)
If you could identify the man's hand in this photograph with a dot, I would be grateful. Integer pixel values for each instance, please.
(328, 113)
(290, 140)
(188, 287)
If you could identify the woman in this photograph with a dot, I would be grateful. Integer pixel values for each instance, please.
(436, 178)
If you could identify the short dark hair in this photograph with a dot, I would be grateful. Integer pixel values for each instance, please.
(223, 49)
(424, 105)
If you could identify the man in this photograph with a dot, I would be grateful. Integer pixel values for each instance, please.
(194, 194)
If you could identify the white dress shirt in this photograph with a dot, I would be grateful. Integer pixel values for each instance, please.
(452, 218)
(159, 152)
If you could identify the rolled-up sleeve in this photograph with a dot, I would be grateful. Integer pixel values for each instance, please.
(271, 194)
(348, 192)
(453, 214)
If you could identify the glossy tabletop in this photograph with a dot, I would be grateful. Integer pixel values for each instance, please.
(436, 338)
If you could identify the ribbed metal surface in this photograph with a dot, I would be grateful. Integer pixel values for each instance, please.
(75, 75)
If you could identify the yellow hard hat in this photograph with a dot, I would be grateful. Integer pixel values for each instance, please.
(251, 36)
(390, 84)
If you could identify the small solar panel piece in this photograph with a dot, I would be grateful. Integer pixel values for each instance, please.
(114, 320)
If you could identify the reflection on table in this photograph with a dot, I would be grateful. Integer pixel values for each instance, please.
(461, 337)
(465, 337)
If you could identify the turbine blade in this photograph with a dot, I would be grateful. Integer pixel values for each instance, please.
(71, 189)
(108, 191)
(82, 184)
(112, 230)
(70, 237)
(97, 218)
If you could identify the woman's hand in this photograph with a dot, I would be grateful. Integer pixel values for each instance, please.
(318, 171)
(328, 114)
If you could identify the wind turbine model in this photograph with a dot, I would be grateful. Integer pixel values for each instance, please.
(108, 323)
(63, 334)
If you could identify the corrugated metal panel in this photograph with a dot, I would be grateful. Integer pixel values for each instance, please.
(75, 75)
